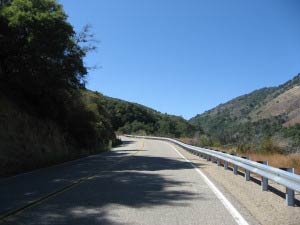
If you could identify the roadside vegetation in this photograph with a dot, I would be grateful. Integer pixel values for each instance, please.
(47, 115)
(276, 158)
(43, 116)
(264, 121)
(132, 118)
(263, 125)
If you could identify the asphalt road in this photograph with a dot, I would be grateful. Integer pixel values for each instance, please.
(140, 182)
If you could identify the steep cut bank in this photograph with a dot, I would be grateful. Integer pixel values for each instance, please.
(266, 119)
(29, 141)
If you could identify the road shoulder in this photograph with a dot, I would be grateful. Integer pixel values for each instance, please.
(247, 197)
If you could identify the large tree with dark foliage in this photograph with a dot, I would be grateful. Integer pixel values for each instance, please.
(41, 67)
(39, 50)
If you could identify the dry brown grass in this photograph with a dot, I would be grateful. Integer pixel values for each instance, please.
(186, 140)
(278, 160)
(275, 160)
(287, 102)
(27, 142)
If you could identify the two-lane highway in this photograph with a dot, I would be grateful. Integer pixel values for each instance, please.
(140, 182)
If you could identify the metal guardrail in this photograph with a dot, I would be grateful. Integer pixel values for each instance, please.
(286, 178)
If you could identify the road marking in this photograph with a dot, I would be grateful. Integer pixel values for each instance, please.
(142, 148)
(231, 209)
(75, 183)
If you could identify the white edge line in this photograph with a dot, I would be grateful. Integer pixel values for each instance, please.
(231, 209)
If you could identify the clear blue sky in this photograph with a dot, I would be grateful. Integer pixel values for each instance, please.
(184, 57)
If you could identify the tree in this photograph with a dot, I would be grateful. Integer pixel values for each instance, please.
(40, 53)
(41, 63)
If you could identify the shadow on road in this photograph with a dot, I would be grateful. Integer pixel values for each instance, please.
(125, 143)
(132, 183)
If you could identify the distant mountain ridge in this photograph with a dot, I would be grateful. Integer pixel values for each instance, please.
(267, 112)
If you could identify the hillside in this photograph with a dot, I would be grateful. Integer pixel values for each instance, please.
(46, 114)
(29, 140)
(43, 117)
(271, 114)
(133, 118)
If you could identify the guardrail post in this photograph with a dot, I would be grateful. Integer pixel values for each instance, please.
(290, 194)
(213, 159)
(225, 165)
(207, 158)
(264, 180)
(247, 175)
(235, 169)
(247, 172)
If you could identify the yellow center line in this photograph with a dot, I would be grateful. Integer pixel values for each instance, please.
(75, 183)
(141, 149)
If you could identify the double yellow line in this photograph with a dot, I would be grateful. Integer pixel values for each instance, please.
(75, 183)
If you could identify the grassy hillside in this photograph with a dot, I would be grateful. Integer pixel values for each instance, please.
(132, 118)
(287, 103)
(263, 120)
